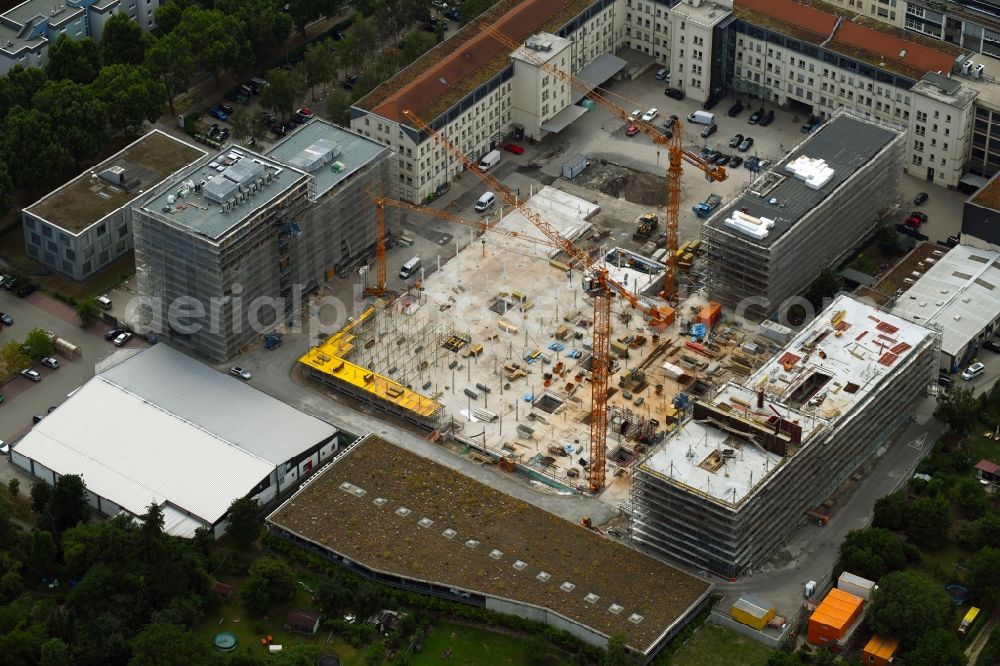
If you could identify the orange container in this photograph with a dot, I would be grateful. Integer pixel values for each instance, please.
(710, 314)
(832, 618)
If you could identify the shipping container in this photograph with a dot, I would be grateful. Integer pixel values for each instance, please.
(710, 314)
(879, 651)
(752, 611)
(856, 585)
(575, 166)
(833, 617)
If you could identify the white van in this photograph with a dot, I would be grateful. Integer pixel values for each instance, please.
(409, 268)
(663, 74)
(702, 118)
(104, 302)
(490, 160)
(486, 202)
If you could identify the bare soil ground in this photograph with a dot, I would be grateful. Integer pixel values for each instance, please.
(623, 183)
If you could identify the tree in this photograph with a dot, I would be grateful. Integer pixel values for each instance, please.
(359, 43)
(214, 43)
(255, 595)
(38, 344)
(337, 105)
(77, 60)
(981, 573)
(938, 647)
(473, 8)
(278, 576)
(619, 654)
(132, 97)
(41, 552)
(415, 44)
(69, 502)
(88, 311)
(296, 654)
(168, 645)
(957, 409)
(907, 606)
(928, 520)
(318, 64)
(78, 113)
(34, 151)
(826, 285)
(13, 357)
(871, 553)
(6, 187)
(11, 586)
(303, 12)
(281, 93)
(18, 88)
(123, 41)
(14, 487)
(890, 511)
(172, 60)
(245, 523)
(887, 241)
(969, 496)
(984, 532)
(55, 652)
(247, 125)
(41, 495)
(168, 15)
(265, 24)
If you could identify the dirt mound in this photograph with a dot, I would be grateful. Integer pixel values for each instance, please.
(622, 182)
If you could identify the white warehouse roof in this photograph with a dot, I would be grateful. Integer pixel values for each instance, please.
(162, 427)
(958, 293)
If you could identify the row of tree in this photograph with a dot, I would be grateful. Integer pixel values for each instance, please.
(16, 355)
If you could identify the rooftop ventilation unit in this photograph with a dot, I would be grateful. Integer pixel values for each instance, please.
(966, 67)
(114, 175)
(539, 44)
(977, 71)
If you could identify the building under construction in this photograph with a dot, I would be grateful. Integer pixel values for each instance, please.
(757, 456)
(230, 245)
(809, 211)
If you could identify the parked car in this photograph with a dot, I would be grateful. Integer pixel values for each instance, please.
(219, 113)
(439, 4)
(213, 129)
(339, 36)
(953, 240)
(635, 115)
(113, 333)
(305, 113)
(920, 198)
(920, 216)
(513, 148)
(32, 375)
(735, 161)
(50, 362)
(746, 144)
(122, 339)
(721, 160)
(674, 93)
(26, 290)
(767, 119)
(631, 130)
(670, 122)
(811, 124)
(736, 109)
(650, 115)
(709, 130)
(452, 14)
(756, 116)
(4, 448)
(945, 380)
(347, 85)
(914, 222)
(228, 110)
(970, 372)
(6, 319)
(736, 140)
(278, 129)
(992, 345)
(223, 134)
(9, 283)
(662, 73)
(237, 371)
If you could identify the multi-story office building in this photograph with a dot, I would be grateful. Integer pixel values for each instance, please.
(811, 210)
(27, 30)
(228, 248)
(465, 87)
(760, 456)
(86, 224)
(972, 24)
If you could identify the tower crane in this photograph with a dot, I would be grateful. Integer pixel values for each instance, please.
(675, 152)
(606, 287)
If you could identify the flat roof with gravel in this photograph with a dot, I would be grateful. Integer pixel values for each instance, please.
(85, 200)
(395, 512)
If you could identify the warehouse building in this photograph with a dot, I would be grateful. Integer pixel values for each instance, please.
(761, 455)
(808, 211)
(957, 296)
(228, 248)
(86, 225)
(412, 523)
(189, 455)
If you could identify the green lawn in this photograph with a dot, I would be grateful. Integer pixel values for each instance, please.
(712, 645)
(235, 619)
(470, 646)
(979, 447)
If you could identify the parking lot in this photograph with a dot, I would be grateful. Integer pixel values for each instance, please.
(24, 399)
